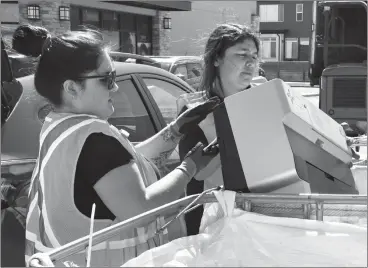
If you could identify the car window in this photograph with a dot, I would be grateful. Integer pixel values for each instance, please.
(165, 94)
(130, 112)
(6, 71)
(11, 89)
(194, 70)
(182, 70)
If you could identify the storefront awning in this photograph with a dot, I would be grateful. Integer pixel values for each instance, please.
(159, 5)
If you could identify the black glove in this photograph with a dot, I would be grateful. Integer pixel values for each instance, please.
(193, 116)
(201, 155)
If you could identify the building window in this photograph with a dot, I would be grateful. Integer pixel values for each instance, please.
(144, 35)
(64, 13)
(109, 21)
(269, 48)
(291, 48)
(128, 33)
(33, 12)
(299, 12)
(304, 49)
(271, 13)
(91, 17)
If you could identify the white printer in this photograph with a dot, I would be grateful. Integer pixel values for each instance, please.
(284, 144)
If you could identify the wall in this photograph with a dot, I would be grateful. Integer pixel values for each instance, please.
(49, 15)
(295, 28)
(191, 29)
(161, 38)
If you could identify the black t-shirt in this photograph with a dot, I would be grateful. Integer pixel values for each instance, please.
(100, 154)
(193, 218)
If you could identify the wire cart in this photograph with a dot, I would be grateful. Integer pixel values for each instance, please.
(304, 206)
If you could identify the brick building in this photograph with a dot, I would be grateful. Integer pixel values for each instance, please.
(129, 26)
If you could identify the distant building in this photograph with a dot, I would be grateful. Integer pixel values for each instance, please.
(190, 30)
(130, 26)
(285, 28)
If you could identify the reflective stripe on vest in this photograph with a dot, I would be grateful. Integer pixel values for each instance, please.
(53, 219)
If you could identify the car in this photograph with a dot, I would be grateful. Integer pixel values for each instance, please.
(188, 68)
(145, 103)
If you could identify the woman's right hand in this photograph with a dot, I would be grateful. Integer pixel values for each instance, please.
(201, 156)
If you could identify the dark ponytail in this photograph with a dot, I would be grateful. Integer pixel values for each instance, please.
(28, 40)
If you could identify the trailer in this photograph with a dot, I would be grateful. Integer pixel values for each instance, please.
(338, 59)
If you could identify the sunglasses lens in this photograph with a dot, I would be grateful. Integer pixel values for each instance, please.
(111, 80)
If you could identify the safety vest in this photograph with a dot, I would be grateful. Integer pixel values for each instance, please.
(53, 219)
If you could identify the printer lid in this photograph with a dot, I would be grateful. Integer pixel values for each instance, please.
(320, 122)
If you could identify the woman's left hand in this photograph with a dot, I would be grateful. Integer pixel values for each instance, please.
(40, 260)
(349, 140)
(193, 116)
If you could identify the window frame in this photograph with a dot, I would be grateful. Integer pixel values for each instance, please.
(64, 17)
(300, 45)
(293, 40)
(155, 119)
(299, 12)
(278, 12)
(154, 105)
(115, 20)
(276, 48)
(174, 159)
(278, 44)
(35, 9)
(178, 64)
(84, 22)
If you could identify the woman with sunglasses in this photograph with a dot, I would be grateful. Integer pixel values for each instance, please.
(83, 160)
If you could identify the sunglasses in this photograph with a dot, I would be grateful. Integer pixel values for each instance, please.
(109, 79)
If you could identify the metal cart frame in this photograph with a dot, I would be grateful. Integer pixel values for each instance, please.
(305, 206)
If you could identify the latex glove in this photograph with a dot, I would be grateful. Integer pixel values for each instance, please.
(199, 157)
(349, 131)
(349, 142)
(193, 116)
(40, 260)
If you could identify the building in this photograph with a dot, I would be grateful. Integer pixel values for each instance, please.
(190, 30)
(140, 27)
(285, 28)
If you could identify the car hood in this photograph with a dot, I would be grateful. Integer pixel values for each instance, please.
(15, 156)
